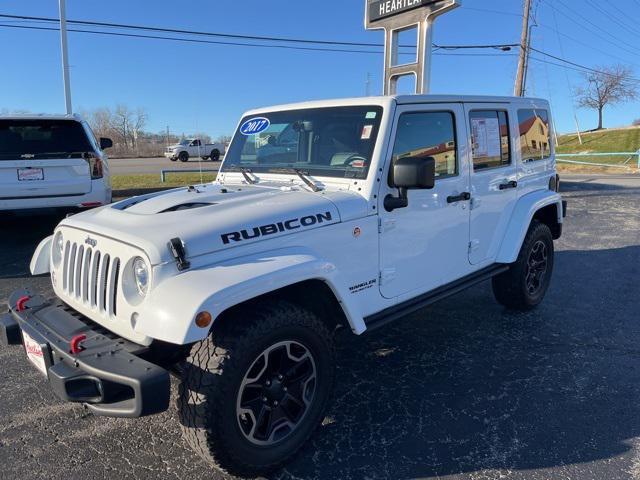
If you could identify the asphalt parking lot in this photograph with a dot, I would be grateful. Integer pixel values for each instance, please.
(460, 390)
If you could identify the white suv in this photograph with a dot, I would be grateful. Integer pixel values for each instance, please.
(337, 213)
(51, 161)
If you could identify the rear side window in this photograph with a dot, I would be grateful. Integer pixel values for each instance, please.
(535, 134)
(429, 134)
(42, 138)
(490, 139)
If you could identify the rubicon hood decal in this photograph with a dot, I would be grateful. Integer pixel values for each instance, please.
(273, 228)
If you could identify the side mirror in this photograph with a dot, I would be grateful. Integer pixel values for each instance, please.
(105, 143)
(409, 173)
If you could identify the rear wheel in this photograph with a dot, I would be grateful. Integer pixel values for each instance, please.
(183, 157)
(254, 391)
(215, 155)
(525, 284)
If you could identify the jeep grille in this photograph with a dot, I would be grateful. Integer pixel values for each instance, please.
(90, 276)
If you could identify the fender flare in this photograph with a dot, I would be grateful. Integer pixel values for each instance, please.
(523, 213)
(41, 257)
(173, 305)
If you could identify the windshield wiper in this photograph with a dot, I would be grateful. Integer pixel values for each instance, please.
(303, 176)
(245, 173)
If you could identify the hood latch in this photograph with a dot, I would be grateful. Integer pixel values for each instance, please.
(176, 247)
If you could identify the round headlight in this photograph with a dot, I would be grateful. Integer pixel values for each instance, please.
(141, 275)
(57, 249)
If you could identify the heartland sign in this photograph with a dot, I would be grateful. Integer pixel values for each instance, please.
(395, 16)
(379, 9)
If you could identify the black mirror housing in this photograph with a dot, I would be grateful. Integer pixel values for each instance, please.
(412, 173)
(409, 173)
(105, 143)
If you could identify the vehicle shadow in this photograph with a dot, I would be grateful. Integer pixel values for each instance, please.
(465, 386)
(20, 235)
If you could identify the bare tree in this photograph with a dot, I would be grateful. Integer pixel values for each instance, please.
(607, 86)
(224, 139)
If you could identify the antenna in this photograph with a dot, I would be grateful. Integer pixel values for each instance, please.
(396, 16)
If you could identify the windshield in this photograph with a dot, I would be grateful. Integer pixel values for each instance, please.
(41, 138)
(332, 142)
(184, 143)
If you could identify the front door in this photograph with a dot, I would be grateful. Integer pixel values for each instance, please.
(493, 178)
(425, 245)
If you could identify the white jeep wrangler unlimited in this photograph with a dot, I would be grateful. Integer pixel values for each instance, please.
(349, 212)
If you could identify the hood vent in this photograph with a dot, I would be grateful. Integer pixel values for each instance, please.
(186, 206)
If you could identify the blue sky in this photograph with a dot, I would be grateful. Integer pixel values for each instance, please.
(197, 87)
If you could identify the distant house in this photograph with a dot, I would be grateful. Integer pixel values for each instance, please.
(534, 138)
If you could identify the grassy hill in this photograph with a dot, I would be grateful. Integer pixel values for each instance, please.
(602, 141)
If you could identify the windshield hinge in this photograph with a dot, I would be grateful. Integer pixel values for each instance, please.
(176, 247)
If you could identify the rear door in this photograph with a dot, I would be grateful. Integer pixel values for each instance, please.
(494, 181)
(43, 158)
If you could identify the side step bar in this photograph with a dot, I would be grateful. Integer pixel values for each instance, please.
(403, 309)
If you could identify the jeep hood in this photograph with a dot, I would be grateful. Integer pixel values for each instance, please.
(213, 217)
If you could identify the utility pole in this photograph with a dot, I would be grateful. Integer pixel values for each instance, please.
(524, 48)
(65, 56)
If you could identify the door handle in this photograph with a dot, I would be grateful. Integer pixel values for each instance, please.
(506, 186)
(459, 198)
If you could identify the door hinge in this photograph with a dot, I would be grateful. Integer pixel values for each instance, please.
(387, 276)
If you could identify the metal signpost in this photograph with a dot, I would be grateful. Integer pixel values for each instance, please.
(396, 16)
(65, 56)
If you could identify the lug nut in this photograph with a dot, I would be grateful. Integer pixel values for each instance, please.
(275, 403)
(280, 377)
(268, 383)
(285, 389)
(264, 399)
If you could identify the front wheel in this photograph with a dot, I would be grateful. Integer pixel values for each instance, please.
(254, 391)
(183, 157)
(525, 284)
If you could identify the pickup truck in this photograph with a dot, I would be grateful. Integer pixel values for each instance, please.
(194, 147)
(326, 216)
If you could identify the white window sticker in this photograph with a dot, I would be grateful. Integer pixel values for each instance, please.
(486, 137)
(371, 115)
(367, 130)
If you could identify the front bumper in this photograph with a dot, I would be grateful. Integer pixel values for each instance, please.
(108, 375)
(170, 155)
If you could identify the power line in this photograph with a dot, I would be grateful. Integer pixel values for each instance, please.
(569, 62)
(217, 42)
(234, 36)
(611, 17)
(598, 27)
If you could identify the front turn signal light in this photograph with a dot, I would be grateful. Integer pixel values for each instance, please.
(203, 319)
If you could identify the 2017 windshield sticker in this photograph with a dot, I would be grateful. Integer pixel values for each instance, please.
(254, 126)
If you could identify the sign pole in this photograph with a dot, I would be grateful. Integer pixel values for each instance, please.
(65, 56)
(396, 16)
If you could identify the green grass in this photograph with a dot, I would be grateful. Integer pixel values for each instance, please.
(603, 141)
(127, 182)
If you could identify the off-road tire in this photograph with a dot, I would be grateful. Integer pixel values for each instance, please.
(215, 155)
(214, 372)
(510, 288)
(183, 157)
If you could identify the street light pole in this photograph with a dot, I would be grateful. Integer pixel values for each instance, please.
(65, 56)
